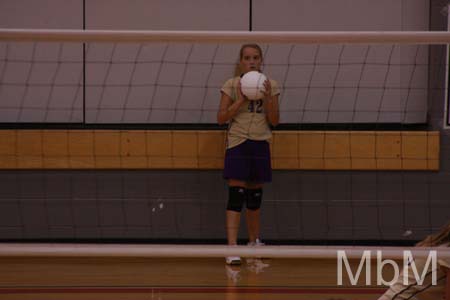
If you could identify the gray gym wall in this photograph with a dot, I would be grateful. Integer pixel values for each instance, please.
(137, 88)
(190, 204)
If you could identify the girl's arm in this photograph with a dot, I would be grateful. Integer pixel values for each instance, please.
(228, 109)
(271, 105)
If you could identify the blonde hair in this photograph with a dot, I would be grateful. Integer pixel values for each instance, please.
(439, 238)
(237, 69)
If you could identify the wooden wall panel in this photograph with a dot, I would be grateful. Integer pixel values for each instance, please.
(185, 149)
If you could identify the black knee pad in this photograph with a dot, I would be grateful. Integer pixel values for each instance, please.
(236, 197)
(254, 198)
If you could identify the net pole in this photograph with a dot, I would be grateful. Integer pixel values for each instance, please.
(446, 124)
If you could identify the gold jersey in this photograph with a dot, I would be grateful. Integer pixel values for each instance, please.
(250, 123)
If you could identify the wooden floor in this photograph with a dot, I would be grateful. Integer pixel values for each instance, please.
(175, 279)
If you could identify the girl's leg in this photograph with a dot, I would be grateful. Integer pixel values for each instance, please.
(233, 220)
(253, 211)
(236, 198)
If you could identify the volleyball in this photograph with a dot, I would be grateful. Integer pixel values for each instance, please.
(252, 85)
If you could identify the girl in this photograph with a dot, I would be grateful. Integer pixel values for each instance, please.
(247, 159)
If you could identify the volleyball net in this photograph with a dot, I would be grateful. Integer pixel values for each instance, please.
(174, 77)
(112, 135)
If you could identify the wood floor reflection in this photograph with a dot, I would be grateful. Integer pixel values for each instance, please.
(176, 279)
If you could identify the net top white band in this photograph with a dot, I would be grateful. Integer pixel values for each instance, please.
(305, 37)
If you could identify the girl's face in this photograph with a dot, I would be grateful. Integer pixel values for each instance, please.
(251, 60)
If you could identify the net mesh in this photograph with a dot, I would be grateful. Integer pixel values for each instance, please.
(319, 192)
(178, 83)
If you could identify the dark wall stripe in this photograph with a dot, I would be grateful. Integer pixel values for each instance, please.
(84, 64)
(250, 12)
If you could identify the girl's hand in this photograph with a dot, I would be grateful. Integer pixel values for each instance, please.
(268, 89)
(240, 95)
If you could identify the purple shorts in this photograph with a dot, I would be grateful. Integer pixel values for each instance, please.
(249, 161)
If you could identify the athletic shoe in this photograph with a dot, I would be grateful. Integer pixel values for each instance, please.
(233, 260)
(258, 242)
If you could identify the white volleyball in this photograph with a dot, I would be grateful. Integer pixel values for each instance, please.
(252, 85)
